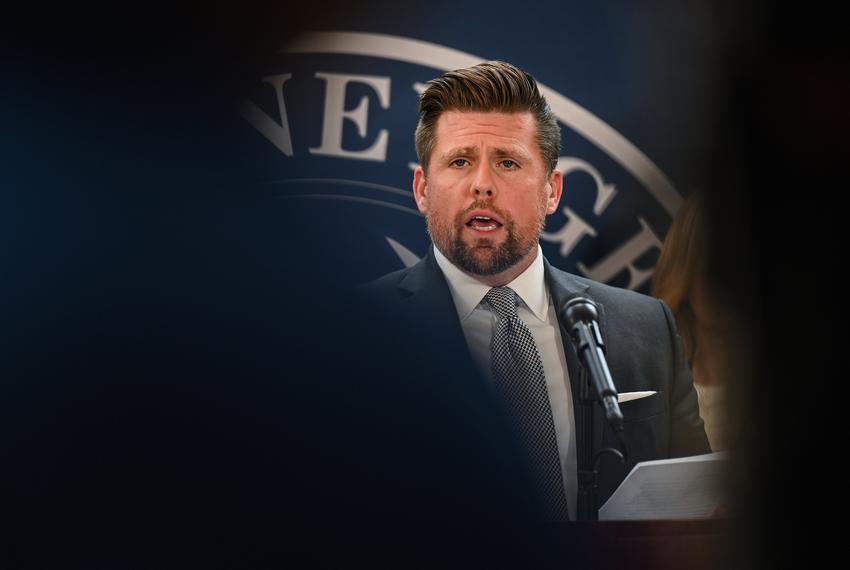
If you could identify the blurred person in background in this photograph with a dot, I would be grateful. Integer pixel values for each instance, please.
(708, 326)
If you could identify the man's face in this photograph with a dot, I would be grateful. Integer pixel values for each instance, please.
(487, 191)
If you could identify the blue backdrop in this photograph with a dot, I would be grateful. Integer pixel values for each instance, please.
(329, 121)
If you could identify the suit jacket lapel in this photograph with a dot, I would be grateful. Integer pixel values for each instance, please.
(429, 300)
(430, 307)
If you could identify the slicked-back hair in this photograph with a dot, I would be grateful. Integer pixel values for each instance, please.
(491, 86)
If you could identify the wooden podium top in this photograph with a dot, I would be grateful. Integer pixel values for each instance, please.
(659, 545)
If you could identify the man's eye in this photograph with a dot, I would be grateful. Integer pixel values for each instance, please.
(509, 164)
(460, 162)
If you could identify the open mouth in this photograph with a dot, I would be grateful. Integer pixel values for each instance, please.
(483, 224)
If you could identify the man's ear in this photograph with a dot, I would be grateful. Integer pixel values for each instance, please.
(420, 188)
(556, 187)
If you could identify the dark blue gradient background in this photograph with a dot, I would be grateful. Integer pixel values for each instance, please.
(171, 396)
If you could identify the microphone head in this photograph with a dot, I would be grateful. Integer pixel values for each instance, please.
(579, 309)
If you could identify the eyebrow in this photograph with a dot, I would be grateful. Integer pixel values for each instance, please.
(473, 151)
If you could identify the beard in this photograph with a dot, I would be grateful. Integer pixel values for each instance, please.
(483, 256)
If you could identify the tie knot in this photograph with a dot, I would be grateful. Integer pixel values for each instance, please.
(503, 300)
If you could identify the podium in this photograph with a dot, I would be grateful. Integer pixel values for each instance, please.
(658, 545)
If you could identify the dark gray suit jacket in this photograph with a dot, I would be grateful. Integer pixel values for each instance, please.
(643, 349)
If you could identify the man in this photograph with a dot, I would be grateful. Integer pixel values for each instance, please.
(484, 304)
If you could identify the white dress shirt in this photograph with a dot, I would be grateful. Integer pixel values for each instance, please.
(537, 311)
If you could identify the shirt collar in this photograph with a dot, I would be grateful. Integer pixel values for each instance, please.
(467, 292)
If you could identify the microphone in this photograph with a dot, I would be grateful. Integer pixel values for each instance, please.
(582, 321)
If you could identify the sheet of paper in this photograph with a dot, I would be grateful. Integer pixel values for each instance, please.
(681, 488)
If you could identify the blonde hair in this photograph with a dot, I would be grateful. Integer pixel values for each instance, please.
(491, 86)
(683, 258)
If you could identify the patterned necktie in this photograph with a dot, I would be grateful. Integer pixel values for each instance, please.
(520, 382)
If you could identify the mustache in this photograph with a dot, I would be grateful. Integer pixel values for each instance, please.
(461, 218)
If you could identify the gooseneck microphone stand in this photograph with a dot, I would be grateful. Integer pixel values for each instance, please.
(580, 317)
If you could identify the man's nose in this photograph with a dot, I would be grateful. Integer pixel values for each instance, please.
(482, 184)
